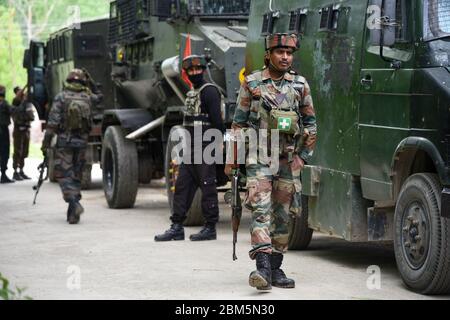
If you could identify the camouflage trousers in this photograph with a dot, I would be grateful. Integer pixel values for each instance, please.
(69, 164)
(21, 145)
(272, 198)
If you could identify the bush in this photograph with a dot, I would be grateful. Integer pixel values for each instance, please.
(9, 294)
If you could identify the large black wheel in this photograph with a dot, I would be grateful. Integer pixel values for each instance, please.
(194, 215)
(300, 234)
(422, 236)
(120, 169)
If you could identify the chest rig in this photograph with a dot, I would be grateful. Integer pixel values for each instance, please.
(276, 106)
(193, 115)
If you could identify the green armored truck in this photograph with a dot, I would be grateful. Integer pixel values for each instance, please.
(379, 73)
(80, 46)
(146, 41)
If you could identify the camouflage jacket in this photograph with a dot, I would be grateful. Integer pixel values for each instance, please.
(22, 114)
(56, 117)
(259, 91)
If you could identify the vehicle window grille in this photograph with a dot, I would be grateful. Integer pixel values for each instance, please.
(437, 18)
(219, 7)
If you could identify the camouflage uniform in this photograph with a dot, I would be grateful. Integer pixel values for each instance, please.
(70, 149)
(273, 197)
(22, 114)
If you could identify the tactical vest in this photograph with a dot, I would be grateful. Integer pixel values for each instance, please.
(277, 107)
(193, 115)
(77, 116)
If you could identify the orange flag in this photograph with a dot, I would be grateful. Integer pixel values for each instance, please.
(187, 52)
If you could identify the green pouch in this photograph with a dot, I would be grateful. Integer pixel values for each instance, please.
(285, 121)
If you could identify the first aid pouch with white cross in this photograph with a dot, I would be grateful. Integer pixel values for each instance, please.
(286, 121)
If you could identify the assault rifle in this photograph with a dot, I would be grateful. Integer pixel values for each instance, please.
(43, 168)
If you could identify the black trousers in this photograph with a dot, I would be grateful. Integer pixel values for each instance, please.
(190, 178)
(4, 148)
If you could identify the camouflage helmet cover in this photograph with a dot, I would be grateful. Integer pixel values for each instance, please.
(193, 61)
(76, 75)
(277, 40)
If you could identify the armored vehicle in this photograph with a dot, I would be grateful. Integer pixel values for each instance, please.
(82, 46)
(379, 73)
(146, 39)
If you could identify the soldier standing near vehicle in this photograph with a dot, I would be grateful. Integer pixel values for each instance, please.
(275, 98)
(5, 121)
(22, 114)
(70, 118)
(203, 105)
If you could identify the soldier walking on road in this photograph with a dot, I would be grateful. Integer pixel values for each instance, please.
(275, 98)
(5, 121)
(22, 114)
(203, 109)
(70, 118)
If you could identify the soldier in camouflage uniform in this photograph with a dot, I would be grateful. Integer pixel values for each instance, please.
(22, 114)
(275, 98)
(70, 118)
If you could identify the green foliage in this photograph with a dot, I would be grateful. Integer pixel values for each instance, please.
(47, 16)
(11, 53)
(9, 294)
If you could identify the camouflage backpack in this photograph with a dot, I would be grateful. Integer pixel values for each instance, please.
(77, 117)
(193, 101)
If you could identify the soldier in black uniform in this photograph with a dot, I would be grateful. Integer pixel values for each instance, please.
(203, 108)
(5, 121)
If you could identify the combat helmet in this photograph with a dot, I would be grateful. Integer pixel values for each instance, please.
(77, 75)
(277, 40)
(193, 61)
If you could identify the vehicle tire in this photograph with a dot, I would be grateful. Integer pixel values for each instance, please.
(86, 177)
(120, 169)
(51, 165)
(300, 234)
(194, 216)
(422, 236)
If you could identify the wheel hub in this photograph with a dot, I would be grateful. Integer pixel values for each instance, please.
(415, 236)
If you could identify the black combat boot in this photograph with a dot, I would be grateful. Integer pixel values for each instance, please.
(261, 278)
(207, 233)
(279, 278)
(17, 176)
(5, 179)
(176, 232)
(23, 175)
(74, 211)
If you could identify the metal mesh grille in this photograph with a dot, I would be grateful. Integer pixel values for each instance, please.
(219, 7)
(437, 18)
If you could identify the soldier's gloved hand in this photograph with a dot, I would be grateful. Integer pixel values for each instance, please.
(44, 151)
